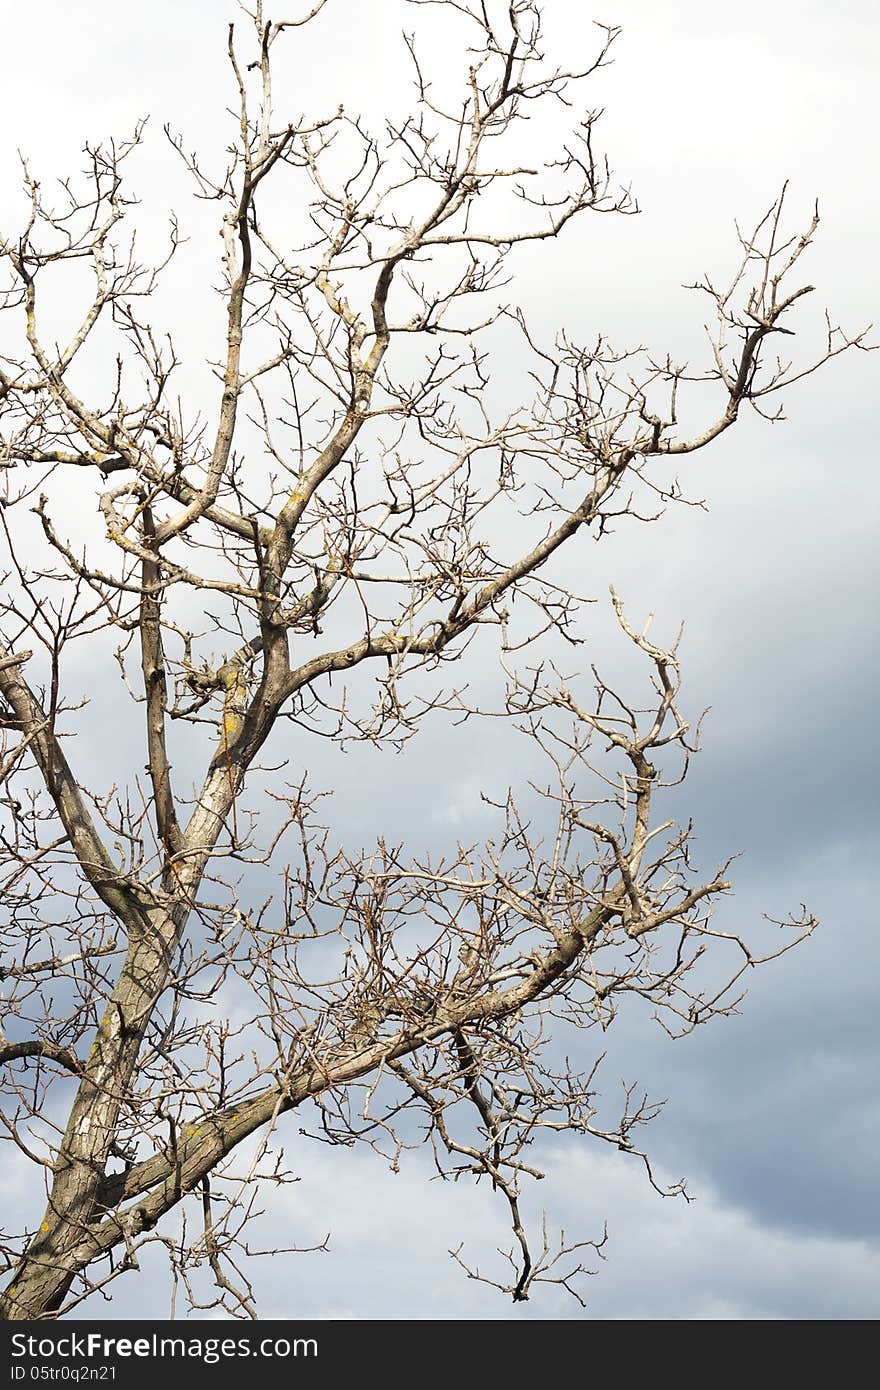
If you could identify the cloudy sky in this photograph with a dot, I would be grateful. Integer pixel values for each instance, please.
(773, 1117)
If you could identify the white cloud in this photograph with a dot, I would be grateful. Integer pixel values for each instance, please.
(665, 1259)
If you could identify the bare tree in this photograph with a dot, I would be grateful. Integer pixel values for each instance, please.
(353, 515)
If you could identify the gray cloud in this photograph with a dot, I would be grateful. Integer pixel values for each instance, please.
(773, 1116)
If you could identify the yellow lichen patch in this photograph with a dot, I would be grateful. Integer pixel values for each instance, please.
(235, 695)
(232, 677)
(231, 725)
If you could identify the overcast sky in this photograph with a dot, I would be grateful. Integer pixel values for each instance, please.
(772, 1117)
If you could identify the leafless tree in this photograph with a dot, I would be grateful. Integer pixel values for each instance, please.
(355, 513)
